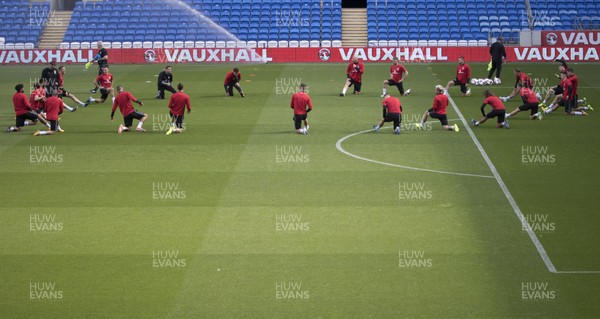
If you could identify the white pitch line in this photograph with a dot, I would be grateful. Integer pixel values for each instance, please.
(511, 200)
(338, 145)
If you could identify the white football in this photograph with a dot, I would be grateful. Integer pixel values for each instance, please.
(474, 81)
(489, 82)
(497, 81)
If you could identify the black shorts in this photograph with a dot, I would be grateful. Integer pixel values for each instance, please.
(569, 105)
(393, 117)
(63, 93)
(20, 120)
(53, 125)
(392, 82)
(104, 93)
(178, 120)
(558, 90)
(129, 118)
(298, 118)
(353, 82)
(463, 86)
(442, 117)
(530, 106)
(501, 114)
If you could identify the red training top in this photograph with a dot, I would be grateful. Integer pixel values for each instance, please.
(299, 102)
(355, 71)
(21, 104)
(178, 102)
(440, 103)
(392, 104)
(54, 107)
(495, 102)
(230, 77)
(463, 73)
(397, 71)
(123, 101)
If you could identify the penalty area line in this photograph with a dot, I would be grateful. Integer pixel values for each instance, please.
(511, 200)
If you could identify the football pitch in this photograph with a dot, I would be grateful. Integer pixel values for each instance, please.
(239, 217)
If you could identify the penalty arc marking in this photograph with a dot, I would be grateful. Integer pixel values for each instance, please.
(338, 145)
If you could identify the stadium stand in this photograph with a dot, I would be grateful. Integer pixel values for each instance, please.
(22, 23)
(295, 23)
(267, 20)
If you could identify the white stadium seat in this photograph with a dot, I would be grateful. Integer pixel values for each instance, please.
(189, 44)
(272, 44)
(86, 45)
(178, 44)
(336, 43)
(19, 46)
(157, 44)
(147, 44)
(252, 44)
(116, 45)
(220, 44)
(304, 44)
(168, 44)
(199, 44)
(402, 43)
(432, 43)
(315, 44)
(126, 45)
(262, 44)
(382, 43)
(210, 44)
(326, 44)
(442, 43)
(452, 43)
(29, 46)
(75, 45)
(137, 45)
(392, 43)
(413, 43)
(9, 46)
(294, 44)
(230, 44)
(241, 44)
(282, 44)
(64, 45)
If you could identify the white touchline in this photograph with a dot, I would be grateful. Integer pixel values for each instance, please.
(338, 145)
(507, 193)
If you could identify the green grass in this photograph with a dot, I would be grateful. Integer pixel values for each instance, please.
(353, 222)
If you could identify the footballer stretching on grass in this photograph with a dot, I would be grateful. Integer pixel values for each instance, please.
(463, 77)
(398, 74)
(354, 73)
(438, 111)
(301, 104)
(123, 101)
(392, 112)
(54, 107)
(530, 103)
(104, 82)
(232, 80)
(177, 105)
(24, 111)
(498, 110)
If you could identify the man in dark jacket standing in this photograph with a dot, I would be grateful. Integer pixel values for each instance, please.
(165, 82)
(498, 55)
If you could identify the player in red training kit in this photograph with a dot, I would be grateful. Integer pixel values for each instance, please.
(123, 101)
(301, 104)
(232, 80)
(438, 111)
(354, 73)
(530, 102)
(522, 80)
(104, 82)
(392, 112)
(398, 74)
(498, 110)
(54, 107)
(463, 76)
(23, 110)
(177, 105)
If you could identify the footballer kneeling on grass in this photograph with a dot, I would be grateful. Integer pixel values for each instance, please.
(301, 104)
(498, 110)
(54, 107)
(123, 101)
(24, 111)
(438, 111)
(177, 105)
(392, 112)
